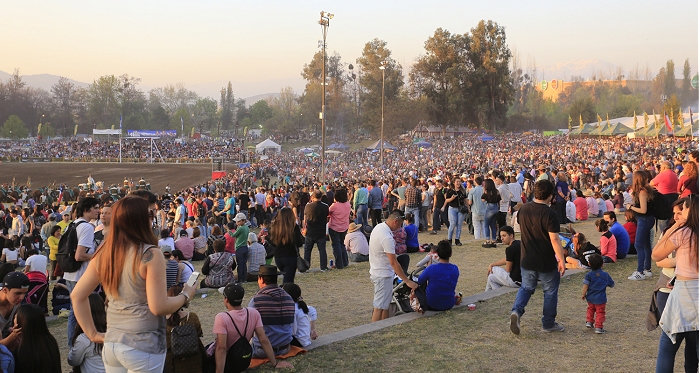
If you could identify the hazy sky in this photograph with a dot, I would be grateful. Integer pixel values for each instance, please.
(266, 43)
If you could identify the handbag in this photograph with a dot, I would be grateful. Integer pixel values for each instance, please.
(302, 264)
(463, 209)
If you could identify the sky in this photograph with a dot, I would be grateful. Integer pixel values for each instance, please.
(262, 46)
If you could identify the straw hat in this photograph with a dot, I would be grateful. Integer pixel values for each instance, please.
(353, 227)
(587, 193)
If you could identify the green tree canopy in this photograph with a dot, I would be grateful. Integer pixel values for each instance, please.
(14, 128)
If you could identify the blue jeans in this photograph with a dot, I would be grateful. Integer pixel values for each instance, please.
(309, 245)
(416, 214)
(667, 352)
(361, 215)
(72, 322)
(242, 261)
(642, 242)
(550, 287)
(456, 218)
(339, 251)
(490, 221)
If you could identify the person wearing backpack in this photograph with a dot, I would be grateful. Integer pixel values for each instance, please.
(233, 330)
(87, 209)
(182, 333)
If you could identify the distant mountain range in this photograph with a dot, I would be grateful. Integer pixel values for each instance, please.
(213, 89)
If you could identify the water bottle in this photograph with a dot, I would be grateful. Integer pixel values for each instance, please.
(331, 263)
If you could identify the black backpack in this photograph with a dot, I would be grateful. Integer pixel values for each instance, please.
(659, 206)
(184, 340)
(239, 354)
(201, 210)
(67, 247)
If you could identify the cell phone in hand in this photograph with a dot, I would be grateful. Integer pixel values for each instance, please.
(193, 279)
(671, 282)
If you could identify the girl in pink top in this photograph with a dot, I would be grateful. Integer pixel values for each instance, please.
(338, 221)
(608, 243)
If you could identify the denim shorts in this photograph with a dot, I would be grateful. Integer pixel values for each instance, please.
(120, 358)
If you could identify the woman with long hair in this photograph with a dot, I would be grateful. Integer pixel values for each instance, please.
(679, 320)
(644, 212)
(131, 269)
(688, 182)
(36, 350)
(85, 354)
(285, 236)
(304, 330)
(215, 235)
(339, 220)
(454, 200)
(492, 198)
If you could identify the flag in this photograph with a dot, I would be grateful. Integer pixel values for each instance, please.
(691, 116)
(680, 117)
(646, 120)
(182, 123)
(657, 123)
(635, 120)
(60, 195)
(580, 120)
(667, 120)
(599, 119)
(570, 122)
(607, 119)
(120, 121)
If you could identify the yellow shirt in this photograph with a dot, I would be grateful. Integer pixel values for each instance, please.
(53, 247)
(63, 225)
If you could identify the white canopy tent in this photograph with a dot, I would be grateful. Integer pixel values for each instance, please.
(268, 145)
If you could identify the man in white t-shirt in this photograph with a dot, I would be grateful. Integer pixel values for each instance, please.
(383, 264)
(35, 262)
(88, 209)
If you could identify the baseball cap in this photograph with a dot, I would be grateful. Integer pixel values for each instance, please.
(15, 280)
(240, 216)
(166, 249)
(233, 292)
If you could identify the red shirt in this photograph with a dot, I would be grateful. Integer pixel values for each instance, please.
(666, 182)
(581, 208)
(631, 229)
(230, 242)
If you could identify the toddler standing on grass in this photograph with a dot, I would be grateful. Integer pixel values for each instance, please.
(594, 286)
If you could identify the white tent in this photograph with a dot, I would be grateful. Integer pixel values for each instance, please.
(267, 145)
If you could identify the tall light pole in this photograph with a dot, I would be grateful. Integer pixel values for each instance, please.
(381, 136)
(325, 18)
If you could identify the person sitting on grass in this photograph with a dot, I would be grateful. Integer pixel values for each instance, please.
(412, 245)
(430, 258)
(510, 275)
(437, 284)
(304, 330)
(608, 243)
(582, 250)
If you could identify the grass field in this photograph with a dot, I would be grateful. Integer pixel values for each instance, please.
(460, 340)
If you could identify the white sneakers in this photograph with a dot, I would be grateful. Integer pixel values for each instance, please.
(636, 276)
(647, 273)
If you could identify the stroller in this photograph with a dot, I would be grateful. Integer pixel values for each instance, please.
(400, 302)
(38, 290)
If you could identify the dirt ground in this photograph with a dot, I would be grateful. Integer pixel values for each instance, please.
(179, 176)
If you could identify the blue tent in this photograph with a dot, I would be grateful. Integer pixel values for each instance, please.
(423, 144)
(333, 146)
(342, 147)
(485, 137)
(386, 146)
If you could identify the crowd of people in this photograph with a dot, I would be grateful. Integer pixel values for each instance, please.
(250, 226)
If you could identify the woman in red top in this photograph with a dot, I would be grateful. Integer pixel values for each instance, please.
(631, 228)
(688, 182)
(608, 242)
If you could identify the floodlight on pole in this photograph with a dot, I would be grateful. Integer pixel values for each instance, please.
(381, 136)
(324, 21)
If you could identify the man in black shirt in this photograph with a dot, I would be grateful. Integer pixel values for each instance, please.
(243, 203)
(315, 219)
(510, 275)
(439, 216)
(542, 257)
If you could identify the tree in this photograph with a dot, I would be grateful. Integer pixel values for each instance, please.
(438, 75)
(227, 105)
(158, 118)
(670, 79)
(14, 128)
(686, 96)
(104, 106)
(181, 121)
(260, 112)
(490, 89)
(285, 109)
(374, 54)
(205, 114)
(47, 131)
(64, 94)
(336, 101)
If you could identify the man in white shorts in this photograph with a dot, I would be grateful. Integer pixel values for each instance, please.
(383, 264)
